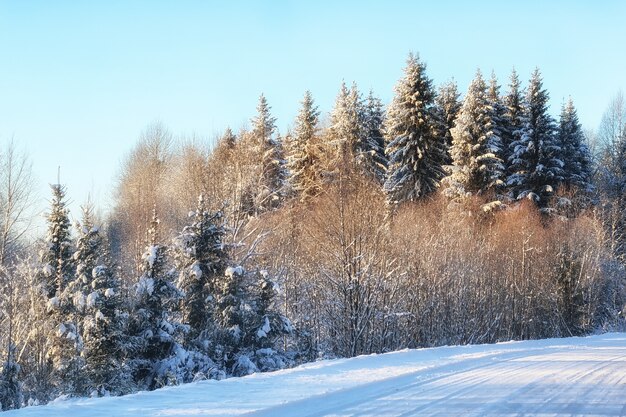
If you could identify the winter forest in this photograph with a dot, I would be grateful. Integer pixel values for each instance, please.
(442, 218)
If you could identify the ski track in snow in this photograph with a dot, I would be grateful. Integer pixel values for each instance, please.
(555, 377)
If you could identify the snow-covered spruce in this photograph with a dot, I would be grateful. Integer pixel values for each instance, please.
(416, 149)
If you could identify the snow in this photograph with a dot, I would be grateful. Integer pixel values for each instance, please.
(92, 299)
(230, 271)
(48, 270)
(109, 292)
(263, 331)
(151, 255)
(554, 377)
(98, 271)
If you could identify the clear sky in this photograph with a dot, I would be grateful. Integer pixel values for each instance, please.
(79, 80)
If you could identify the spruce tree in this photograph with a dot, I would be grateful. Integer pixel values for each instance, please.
(57, 276)
(152, 325)
(304, 159)
(574, 150)
(89, 250)
(56, 257)
(476, 146)
(372, 153)
(514, 122)
(248, 326)
(447, 108)
(201, 258)
(415, 147)
(104, 335)
(498, 111)
(535, 163)
(347, 129)
(11, 396)
(273, 172)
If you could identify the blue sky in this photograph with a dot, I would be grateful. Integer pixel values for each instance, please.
(79, 80)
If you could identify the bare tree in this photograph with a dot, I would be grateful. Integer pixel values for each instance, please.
(16, 198)
(139, 190)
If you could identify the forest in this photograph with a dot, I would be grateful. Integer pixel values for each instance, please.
(439, 219)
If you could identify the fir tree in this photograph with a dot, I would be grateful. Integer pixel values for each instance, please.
(11, 396)
(57, 275)
(514, 121)
(201, 258)
(273, 172)
(248, 327)
(56, 257)
(574, 151)
(303, 161)
(372, 153)
(152, 325)
(88, 252)
(497, 111)
(415, 149)
(104, 335)
(229, 140)
(447, 108)
(535, 164)
(476, 146)
(347, 130)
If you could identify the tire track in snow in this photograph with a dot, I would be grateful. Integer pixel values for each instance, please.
(330, 403)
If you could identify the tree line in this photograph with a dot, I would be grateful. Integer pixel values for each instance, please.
(433, 220)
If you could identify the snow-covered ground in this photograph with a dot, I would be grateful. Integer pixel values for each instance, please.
(555, 377)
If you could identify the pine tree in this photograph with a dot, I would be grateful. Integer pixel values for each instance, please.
(447, 108)
(476, 146)
(304, 159)
(415, 149)
(535, 164)
(574, 150)
(152, 324)
(273, 172)
(372, 154)
(201, 257)
(514, 121)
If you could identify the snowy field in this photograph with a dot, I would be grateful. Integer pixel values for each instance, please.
(555, 377)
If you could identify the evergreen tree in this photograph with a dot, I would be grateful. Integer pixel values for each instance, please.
(514, 121)
(447, 108)
(152, 325)
(201, 257)
(574, 150)
(104, 335)
(88, 252)
(372, 154)
(415, 148)
(303, 161)
(498, 111)
(56, 257)
(476, 146)
(11, 396)
(273, 172)
(347, 127)
(535, 164)
(229, 140)
(57, 275)
(248, 327)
